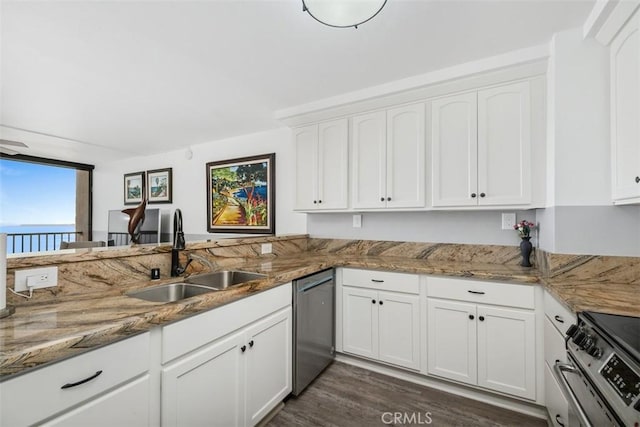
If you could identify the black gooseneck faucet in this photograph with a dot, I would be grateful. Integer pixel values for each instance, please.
(178, 245)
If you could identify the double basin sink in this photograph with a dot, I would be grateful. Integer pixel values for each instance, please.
(195, 285)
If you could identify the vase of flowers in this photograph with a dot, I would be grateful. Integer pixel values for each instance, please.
(524, 229)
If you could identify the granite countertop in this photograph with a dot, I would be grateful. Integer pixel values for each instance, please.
(47, 331)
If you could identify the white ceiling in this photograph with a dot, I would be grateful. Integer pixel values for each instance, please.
(131, 78)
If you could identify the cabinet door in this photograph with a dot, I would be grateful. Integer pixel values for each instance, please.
(205, 388)
(333, 165)
(504, 145)
(399, 329)
(556, 403)
(125, 406)
(360, 322)
(306, 149)
(506, 351)
(405, 152)
(368, 160)
(454, 158)
(268, 364)
(625, 111)
(451, 334)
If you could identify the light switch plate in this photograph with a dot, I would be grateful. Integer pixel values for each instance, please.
(357, 221)
(508, 221)
(267, 248)
(36, 278)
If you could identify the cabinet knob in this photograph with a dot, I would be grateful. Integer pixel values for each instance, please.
(319, 201)
(243, 348)
(251, 343)
(473, 195)
(373, 301)
(388, 199)
(315, 201)
(481, 318)
(637, 179)
(380, 302)
(382, 199)
(471, 317)
(482, 194)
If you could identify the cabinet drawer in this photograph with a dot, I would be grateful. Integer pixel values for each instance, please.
(556, 404)
(43, 386)
(381, 280)
(554, 346)
(182, 337)
(482, 292)
(560, 316)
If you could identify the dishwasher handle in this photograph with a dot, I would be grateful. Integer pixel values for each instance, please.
(308, 286)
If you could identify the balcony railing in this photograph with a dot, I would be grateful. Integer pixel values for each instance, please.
(38, 242)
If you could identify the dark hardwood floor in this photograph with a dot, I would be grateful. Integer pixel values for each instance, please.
(348, 396)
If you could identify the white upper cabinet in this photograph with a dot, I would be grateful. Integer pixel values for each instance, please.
(388, 160)
(368, 165)
(454, 129)
(625, 113)
(322, 166)
(504, 145)
(481, 148)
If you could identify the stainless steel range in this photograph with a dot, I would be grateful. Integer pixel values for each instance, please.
(601, 379)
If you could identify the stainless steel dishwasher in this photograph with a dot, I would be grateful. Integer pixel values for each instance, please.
(313, 327)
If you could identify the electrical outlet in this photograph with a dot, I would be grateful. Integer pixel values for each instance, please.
(508, 221)
(36, 278)
(357, 221)
(267, 248)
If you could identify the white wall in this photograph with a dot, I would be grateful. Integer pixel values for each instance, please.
(580, 218)
(579, 124)
(189, 181)
(482, 228)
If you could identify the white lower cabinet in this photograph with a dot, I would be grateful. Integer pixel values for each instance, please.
(97, 388)
(452, 340)
(234, 380)
(557, 320)
(381, 325)
(126, 406)
(479, 344)
(206, 387)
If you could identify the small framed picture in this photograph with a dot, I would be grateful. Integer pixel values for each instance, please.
(159, 186)
(133, 188)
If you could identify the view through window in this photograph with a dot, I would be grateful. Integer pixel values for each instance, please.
(43, 203)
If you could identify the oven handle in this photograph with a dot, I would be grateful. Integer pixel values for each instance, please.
(558, 369)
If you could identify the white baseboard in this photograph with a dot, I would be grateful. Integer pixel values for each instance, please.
(522, 407)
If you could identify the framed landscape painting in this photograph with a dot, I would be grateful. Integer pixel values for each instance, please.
(159, 186)
(133, 188)
(241, 195)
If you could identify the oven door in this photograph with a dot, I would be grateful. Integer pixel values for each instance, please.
(586, 408)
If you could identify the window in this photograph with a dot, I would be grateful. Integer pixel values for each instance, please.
(44, 202)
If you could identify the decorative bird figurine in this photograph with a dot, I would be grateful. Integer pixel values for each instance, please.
(136, 219)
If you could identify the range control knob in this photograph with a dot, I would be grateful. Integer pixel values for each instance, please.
(595, 352)
(577, 338)
(573, 329)
(587, 343)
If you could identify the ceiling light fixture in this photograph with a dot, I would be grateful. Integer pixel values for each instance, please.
(342, 13)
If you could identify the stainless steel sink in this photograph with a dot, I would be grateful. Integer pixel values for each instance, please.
(170, 293)
(221, 280)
